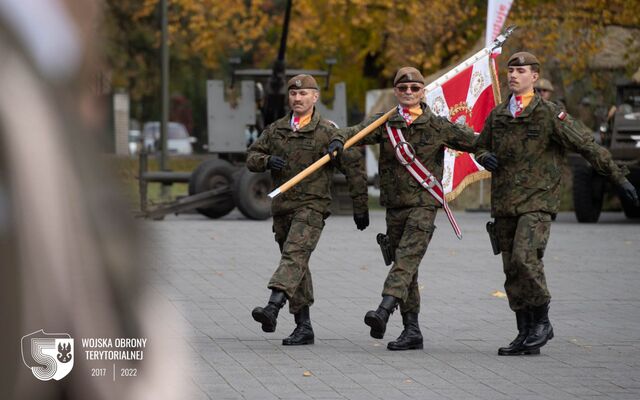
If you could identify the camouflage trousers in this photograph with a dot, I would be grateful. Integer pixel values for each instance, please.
(410, 230)
(297, 233)
(522, 241)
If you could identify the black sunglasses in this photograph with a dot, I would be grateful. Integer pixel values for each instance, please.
(413, 88)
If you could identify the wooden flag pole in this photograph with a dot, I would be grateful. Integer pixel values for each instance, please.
(325, 159)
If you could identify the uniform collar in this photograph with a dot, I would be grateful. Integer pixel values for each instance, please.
(503, 109)
(284, 123)
(397, 119)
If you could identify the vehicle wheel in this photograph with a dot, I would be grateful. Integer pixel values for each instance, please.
(213, 174)
(250, 194)
(588, 193)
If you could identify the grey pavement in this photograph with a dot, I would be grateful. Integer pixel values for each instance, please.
(215, 271)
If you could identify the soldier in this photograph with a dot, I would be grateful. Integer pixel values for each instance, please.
(411, 209)
(523, 144)
(286, 147)
(544, 88)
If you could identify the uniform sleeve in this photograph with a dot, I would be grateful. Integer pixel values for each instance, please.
(353, 167)
(259, 152)
(573, 135)
(456, 136)
(482, 142)
(345, 134)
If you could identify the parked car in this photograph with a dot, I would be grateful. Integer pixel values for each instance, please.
(134, 141)
(178, 139)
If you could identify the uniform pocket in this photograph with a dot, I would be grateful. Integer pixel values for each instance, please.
(425, 226)
(541, 230)
(308, 144)
(315, 219)
(533, 131)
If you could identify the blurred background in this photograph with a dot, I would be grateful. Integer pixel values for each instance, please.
(587, 48)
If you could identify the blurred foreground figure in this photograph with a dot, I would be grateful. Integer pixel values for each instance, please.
(69, 259)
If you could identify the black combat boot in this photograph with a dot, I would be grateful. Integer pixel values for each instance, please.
(515, 348)
(411, 337)
(541, 330)
(303, 333)
(377, 319)
(268, 315)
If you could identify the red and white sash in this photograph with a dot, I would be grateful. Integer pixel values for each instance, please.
(406, 156)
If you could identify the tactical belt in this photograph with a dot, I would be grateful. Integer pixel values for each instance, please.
(407, 157)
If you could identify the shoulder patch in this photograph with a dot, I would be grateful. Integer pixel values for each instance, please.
(562, 115)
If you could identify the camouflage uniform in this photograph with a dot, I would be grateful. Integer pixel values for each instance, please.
(411, 210)
(299, 214)
(525, 188)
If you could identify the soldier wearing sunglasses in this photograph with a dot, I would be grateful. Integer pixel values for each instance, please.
(411, 209)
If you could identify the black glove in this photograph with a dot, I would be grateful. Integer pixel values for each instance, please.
(276, 163)
(337, 147)
(361, 220)
(628, 191)
(489, 161)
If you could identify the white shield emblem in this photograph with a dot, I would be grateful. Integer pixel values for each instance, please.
(48, 355)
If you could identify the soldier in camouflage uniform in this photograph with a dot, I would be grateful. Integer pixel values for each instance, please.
(523, 143)
(411, 210)
(545, 89)
(286, 147)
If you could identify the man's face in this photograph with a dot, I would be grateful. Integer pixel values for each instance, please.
(409, 94)
(301, 101)
(521, 79)
(545, 94)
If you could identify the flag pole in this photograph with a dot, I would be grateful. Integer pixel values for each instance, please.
(368, 129)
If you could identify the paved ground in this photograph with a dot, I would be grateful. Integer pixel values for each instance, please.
(215, 272)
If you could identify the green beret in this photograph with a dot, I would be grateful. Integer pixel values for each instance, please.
(522, 58)
(408, 74)
(302, 81)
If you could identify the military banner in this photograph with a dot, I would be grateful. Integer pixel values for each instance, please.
(497, 11)
(466, 98)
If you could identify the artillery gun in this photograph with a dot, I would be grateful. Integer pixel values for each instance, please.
(222, 182)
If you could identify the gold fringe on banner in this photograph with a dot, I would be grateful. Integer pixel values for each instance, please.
(480, 175)
(468, 180)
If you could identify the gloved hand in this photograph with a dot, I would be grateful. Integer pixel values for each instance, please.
(361, 220)
(628, 191)
(276, 163)
(337, 147)
(489, 161)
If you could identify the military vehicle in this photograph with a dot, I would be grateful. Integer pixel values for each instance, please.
(222, 182)
(620, 134)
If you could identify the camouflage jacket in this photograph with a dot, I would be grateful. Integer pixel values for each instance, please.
(300, 149)
(428, 135)
(531, 151)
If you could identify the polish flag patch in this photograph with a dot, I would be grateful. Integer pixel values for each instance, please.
(562, 115)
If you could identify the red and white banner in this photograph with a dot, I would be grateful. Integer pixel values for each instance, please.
(467, 98)
(497, 11)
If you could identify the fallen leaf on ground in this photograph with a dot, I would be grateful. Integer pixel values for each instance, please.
(498, 294)
(306, 373)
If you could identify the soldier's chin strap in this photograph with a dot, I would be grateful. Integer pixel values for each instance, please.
(407, 157)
